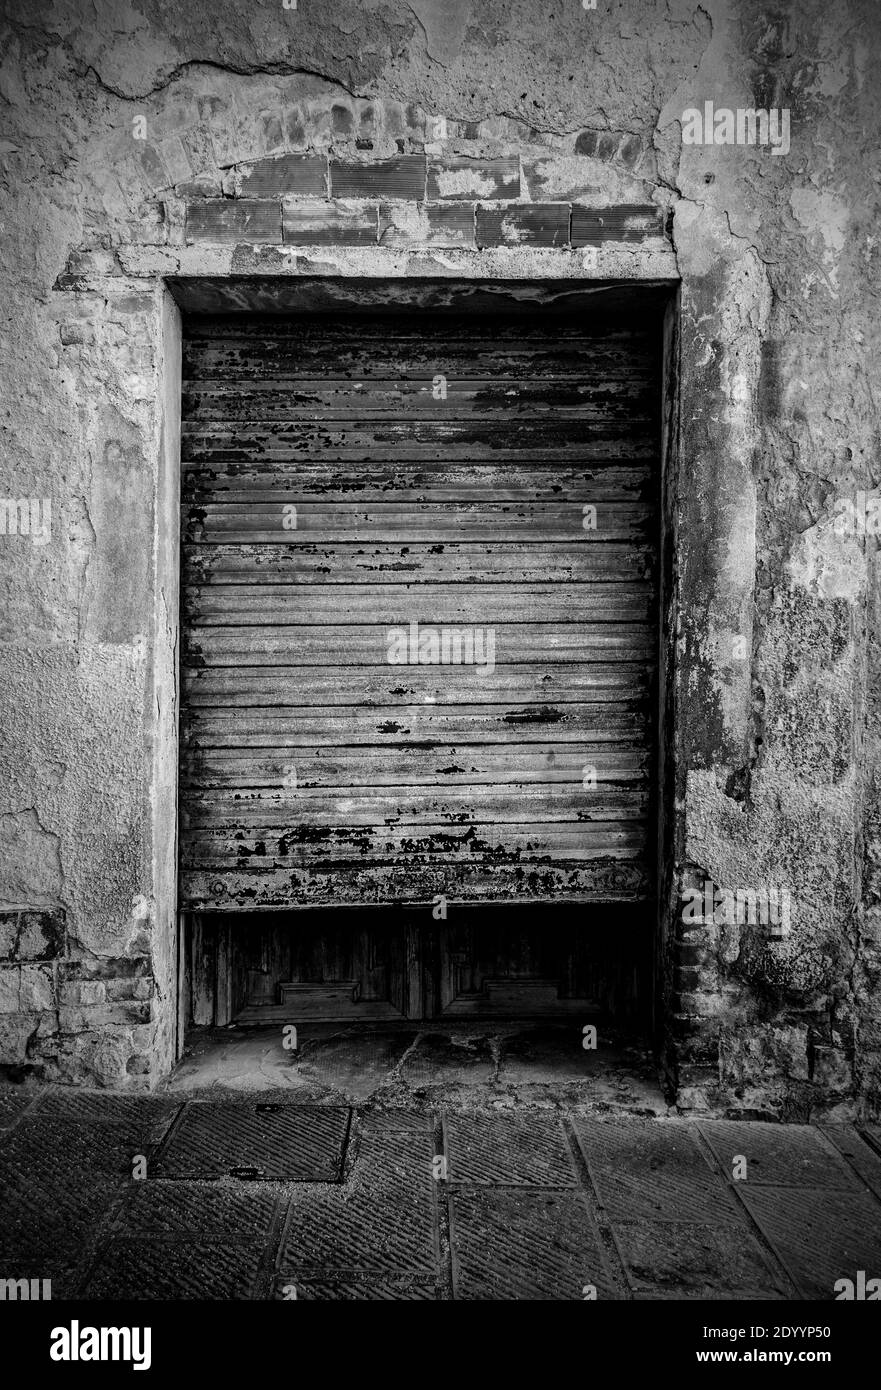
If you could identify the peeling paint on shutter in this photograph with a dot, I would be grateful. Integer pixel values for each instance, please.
(344, 478)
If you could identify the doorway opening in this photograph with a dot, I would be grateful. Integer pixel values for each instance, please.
(421, 654)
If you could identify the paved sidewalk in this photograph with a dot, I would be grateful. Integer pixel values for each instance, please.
(256, 1194)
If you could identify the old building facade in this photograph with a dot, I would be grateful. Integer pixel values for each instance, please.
(163, 169)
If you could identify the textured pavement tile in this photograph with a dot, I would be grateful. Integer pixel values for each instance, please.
(511, 1149)
(525, 1245)
(818, 1235)
(685, 1198)
(716, 1259)
(40, 1145)
(150, 1269)
(13, 1104)
(439, 1060)
(58, 1180)
(205, 1210)
(99, 1107)
(655, 1171)
(394, 1157)
(872, 1135)
(778, 1155)
(365, 1230)
(858, 1154)
(259, 1139)
(325, 1290)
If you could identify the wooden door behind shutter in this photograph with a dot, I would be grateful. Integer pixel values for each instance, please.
(343, 477)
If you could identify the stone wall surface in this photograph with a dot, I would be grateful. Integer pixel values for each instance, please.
(142, 142)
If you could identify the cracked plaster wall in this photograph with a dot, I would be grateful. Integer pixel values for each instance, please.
(774, 754)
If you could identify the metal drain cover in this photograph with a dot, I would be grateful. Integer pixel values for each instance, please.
(255, 1142)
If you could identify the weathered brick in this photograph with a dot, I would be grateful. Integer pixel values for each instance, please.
(405, 224)
(459, 177)
(624, 222)
(383, 178)
(599, 144)
(203, 186)
(295, 128)
(452, 224)
(227, 220)
(318, 222)
(301, 174)
(528, 224)
(405, 120)
(342, 119)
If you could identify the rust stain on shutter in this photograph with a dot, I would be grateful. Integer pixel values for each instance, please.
(383, 486)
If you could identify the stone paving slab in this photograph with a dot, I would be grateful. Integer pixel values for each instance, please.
(858, 1154)
(100, 1107)
(642, 1208)
(58, 1179)
(394, 1156)
(516, 1150)
(705, 1261)
(778, 1155)
(218, 1210)
(260, 1140)
(160, 1269)
(525, 1244)
(819, 1235)
(365, 1231)
(653, 1171)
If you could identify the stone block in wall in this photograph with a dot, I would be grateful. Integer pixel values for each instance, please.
(304, 175)
(229, 221)
(16, 1031)
(82, 992)
(175, 160)
(462, 178)
(624, 222)
(527, 224)
(221, 120)
(319, 222)
(831, 1068)
(90, 1019)
(26, 989)
(150, 166)
(383, 178)
(198, 149)
(31, 935)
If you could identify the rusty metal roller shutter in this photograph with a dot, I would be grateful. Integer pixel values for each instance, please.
(344, 478)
